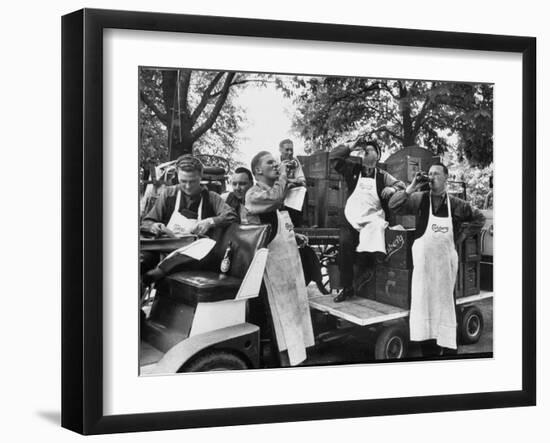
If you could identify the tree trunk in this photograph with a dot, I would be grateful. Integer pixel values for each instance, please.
(185, 146)
(408, 131)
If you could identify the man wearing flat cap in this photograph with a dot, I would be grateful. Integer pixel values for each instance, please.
(187, 208)
(362, 238)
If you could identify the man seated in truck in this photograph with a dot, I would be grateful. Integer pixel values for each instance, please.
(441, 220)
(185, 208)
(295, 176)
(241, 182)
(369, 189)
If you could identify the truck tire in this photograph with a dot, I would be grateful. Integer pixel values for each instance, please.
(392, 343)
(214, 361)
(471, 325)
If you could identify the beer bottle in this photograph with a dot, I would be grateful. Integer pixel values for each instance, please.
(226, 261)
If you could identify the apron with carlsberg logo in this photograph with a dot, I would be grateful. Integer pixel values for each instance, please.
(435, 262)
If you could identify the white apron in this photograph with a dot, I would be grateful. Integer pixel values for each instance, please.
(435, 262)
(364, 212)
(179, 224)
(287, 294)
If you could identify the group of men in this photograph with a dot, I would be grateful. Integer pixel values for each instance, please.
(258, 197)
(441, 221)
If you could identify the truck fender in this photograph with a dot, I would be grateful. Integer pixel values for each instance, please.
(186, 349)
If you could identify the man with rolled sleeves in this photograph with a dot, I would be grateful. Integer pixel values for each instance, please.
(369, 189)
(441, 220)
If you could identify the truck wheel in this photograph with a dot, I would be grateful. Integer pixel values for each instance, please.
(392, 343)
(214, 361)
(471, 325)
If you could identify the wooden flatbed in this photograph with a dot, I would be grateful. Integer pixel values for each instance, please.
(364, 312)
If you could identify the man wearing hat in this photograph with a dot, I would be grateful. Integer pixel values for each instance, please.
(185, 208)
(369, 189)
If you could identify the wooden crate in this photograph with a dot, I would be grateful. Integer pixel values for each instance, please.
(333, 218)
(318, 166)
(325, 202)
(303, 159)
(486, 275)
(311, 215)
(393, 286)
(470, 248)
(398, 248)
(468, 279)
(404, 163)
(335, 193)
(407, 221)
(364, 283)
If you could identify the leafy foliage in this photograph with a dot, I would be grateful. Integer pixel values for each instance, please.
(476, 180)
(185, 111)
(398, 113)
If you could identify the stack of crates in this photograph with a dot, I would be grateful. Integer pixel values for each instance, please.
(392, 280)
(469, 259)
(393, 277)
(326, 191)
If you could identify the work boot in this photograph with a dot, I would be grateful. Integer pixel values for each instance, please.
(152, 276)
(343, 295)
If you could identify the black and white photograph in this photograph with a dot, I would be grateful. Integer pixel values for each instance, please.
(290, 220)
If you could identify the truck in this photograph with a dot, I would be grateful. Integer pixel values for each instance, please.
(197, 320)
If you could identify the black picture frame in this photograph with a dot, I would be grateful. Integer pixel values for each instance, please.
(82, 231)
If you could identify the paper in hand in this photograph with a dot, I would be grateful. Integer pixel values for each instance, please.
(295, 198)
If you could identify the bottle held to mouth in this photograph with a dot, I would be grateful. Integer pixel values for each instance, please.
(291, 167)
(422, 177)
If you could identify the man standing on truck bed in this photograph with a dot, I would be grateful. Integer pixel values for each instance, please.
(295, 176)
(440, 219)
(369, 189)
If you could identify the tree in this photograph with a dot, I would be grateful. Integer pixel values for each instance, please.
(399, 113)
(191, 106)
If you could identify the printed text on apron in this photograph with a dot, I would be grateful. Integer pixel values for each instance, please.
(435, 262)
(287, 294)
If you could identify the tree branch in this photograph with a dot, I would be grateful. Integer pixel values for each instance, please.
(389, 131)
(185, 81)
(241, 82)
(419, 119)
(162, 116)
(217, 108)
(206, 96)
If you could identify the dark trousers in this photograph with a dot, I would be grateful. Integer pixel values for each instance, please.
(351, 262)
(259, 313)
(430, 348)
(147, 261)
(150, 260)
(295, 216)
